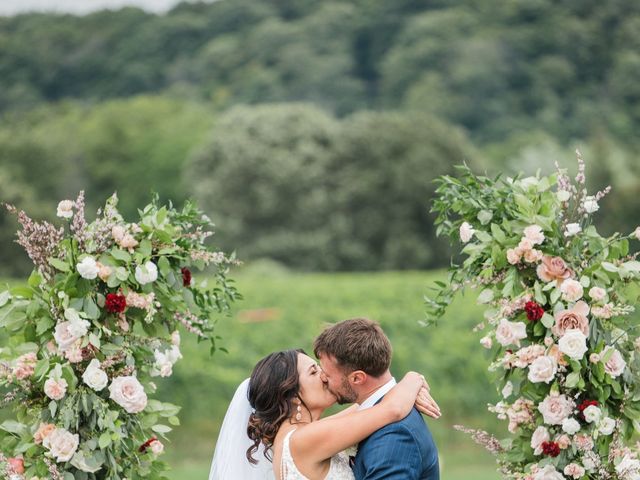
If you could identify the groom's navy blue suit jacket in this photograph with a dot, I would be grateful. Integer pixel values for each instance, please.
(400, 451)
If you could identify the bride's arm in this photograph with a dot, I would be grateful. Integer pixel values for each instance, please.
(322, 439)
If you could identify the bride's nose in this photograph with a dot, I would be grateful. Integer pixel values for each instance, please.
(323, 377)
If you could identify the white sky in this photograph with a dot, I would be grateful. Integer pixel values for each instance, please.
(11, 7)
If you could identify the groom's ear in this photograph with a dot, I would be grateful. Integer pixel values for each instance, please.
(358, 377)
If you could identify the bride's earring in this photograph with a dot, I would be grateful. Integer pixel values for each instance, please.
(299, 413)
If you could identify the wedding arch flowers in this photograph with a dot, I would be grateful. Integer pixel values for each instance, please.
(559, 298)
(98, 319)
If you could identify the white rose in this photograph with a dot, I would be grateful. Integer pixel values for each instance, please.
(507, 390)
(55, 388)
(146, 273)
(535, 234)
(555, 409)
(77, 326)
(548, 473)
(543, 369)
(95, 377)
(509, 333)
(573, 344)
(64, 336)
(540, 435)
(570, 426)
(636, 232)
(615, 365)
(590, 205)
(65, 209)
(592, 414)
(128, 393)
(88, 268)
(572, 290)
(572, 229)
(563, 195)
(63, 444)
(466, 232)
(607, 426)
(597, 293)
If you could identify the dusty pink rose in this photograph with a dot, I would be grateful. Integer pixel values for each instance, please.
(15, 465)
(543, 369)
(43, 432)
(513, 256)
(574, 470)
(572, 290)
(573, 318)
(615, 365)
(540, 435)
(508, 333)
(553, 268)
(526, 356)
(533, 256)
(555, 408)
(597, 293)
(55, 389)
(534, 234)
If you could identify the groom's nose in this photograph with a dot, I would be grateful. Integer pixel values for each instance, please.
(324, 378)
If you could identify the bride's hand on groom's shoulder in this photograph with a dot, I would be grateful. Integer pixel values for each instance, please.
(425, 402)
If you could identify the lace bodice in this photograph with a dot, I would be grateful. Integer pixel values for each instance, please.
(339, 469)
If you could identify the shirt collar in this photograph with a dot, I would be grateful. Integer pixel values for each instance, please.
(377, 395)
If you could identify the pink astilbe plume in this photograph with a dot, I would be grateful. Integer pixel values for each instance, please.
(41, 240)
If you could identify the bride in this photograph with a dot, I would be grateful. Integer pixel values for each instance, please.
(276, 414)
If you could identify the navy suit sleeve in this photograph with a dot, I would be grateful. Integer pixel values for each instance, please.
(391, 452)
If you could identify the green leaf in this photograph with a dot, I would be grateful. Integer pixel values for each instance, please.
(498, 234)
(12, 426)
(145, 248)
(120, 255)
(34, 279)
(59, 264)
(43, 324)
(105, 440)
(25, 292)
(547, 320)
(159, 428)
(91, 309)
(485, 216)
(164, 266)
(572, 379)
(4, 298)
(42, 368)
(609, 267)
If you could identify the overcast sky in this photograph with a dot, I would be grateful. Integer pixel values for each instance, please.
(11, 7)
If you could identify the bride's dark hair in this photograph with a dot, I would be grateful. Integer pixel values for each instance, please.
(273, 385)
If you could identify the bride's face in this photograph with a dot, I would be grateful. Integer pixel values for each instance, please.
(313, 390)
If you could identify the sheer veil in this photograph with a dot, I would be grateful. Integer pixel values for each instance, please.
(229, 460)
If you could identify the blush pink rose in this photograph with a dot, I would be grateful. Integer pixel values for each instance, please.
(508, 333)
(616, 364)
(572, 290)
(540, 435)
(574, 470)
(513, 256)
(573, 318)
(534, 234)
(543, 369)
(533, 256)
(43, 432)
(598, 294)
(156, 447)
(128, 392)
(553, 268)
(55, 389)
(526, 356)
(555, 408)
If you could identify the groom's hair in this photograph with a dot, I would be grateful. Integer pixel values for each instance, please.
(356, 344)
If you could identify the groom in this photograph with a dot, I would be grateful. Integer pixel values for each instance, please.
(355, 356)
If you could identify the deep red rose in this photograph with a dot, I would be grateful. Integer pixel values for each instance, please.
(115, 303)
(551, 448)
(534, 311)
(583, 406)
(146, 444)
(186, 276)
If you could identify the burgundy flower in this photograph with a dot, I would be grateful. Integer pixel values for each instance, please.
(146, 444)
(115, 303)
(551, 448)
(186, 276)
(534, 311)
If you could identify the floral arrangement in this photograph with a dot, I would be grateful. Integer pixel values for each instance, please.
(559, 298)
(99, 318)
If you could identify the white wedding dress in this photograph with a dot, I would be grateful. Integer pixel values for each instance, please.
(339, 469)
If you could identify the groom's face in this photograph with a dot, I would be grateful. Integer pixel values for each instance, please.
(337, 381)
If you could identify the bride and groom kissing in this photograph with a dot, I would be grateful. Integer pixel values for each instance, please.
(273, 427)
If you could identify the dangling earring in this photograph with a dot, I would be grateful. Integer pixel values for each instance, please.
(299, 413)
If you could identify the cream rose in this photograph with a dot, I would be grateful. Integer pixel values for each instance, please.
(540, 435)
(573, 344)
(570, 426)
(534, 234)
(615, 365)
(607, 426)
(63, 444)
(592, 414)
(88, 268)
(555, 409)
(598, 294)
(549, 472)
(590, 204)
(543, 369)
(466, 232)
(65, 209)
(553, 268)
(575, 317)
(128, 393)
(94, 377)
(572, 229)
(55, 388)
(572, 290)
(574, 470)
(508, 333)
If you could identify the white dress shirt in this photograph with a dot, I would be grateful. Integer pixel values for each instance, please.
(377, 395)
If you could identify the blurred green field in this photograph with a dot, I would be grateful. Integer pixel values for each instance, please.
(283, 310)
